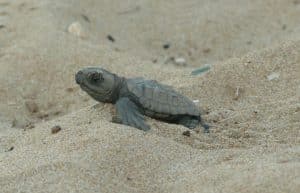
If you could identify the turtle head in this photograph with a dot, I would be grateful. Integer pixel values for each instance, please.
(98, 83)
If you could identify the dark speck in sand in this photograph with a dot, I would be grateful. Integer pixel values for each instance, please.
(110, 38)
(71, 89)
(10, 149)
(129, 178)
(206, 50)
(166, 46)
(86, 18)
(284, 27)
(55, 129)
(187, 133)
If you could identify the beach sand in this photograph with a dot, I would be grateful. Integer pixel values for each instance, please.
(250, 96)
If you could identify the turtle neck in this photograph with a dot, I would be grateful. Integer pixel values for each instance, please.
(120, 84)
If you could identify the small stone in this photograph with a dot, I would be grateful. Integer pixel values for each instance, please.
(2, 26)
(86, 18)
(76, 29)
(166, 46)
(206, 50)
(187, 133)
(31, 106)
(196, 101)
(55, 129)
(273, 76)
(10, 149)
(70, 89)
(129, 178)
(56, 112)
(110, 38)
(154, 61)
(180, 61)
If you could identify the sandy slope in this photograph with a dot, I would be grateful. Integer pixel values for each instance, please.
(254, 144)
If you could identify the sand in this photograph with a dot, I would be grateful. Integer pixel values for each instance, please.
(250, 96)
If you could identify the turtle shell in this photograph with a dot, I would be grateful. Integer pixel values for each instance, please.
(161, 98)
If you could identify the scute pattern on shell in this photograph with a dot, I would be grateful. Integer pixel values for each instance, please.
(161, 98)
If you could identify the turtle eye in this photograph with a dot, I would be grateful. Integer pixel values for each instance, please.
(95, 77)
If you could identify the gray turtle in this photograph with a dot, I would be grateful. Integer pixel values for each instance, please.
(135, 97)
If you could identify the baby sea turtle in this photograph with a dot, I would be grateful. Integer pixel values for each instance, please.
(135, 97)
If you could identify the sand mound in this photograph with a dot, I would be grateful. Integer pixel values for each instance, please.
(250, 96)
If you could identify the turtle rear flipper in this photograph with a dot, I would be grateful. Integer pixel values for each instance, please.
(129, 114)
(192, 122)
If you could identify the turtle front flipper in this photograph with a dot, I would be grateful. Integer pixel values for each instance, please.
(129, 114)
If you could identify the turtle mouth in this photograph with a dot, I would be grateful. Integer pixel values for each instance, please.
(89, 90)
(99, 96)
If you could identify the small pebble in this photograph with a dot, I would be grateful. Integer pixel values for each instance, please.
(206, 50)
(196, 101)
(187, 133)
(2, 26)
(180, 61)
(86, 18)
(154, 61)
(129, 178)
(273, 76)
(55, 129)
(70, 89)
(76, 29)
(56, 112)
(166, 46)
(10, 149)
(110, 38)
